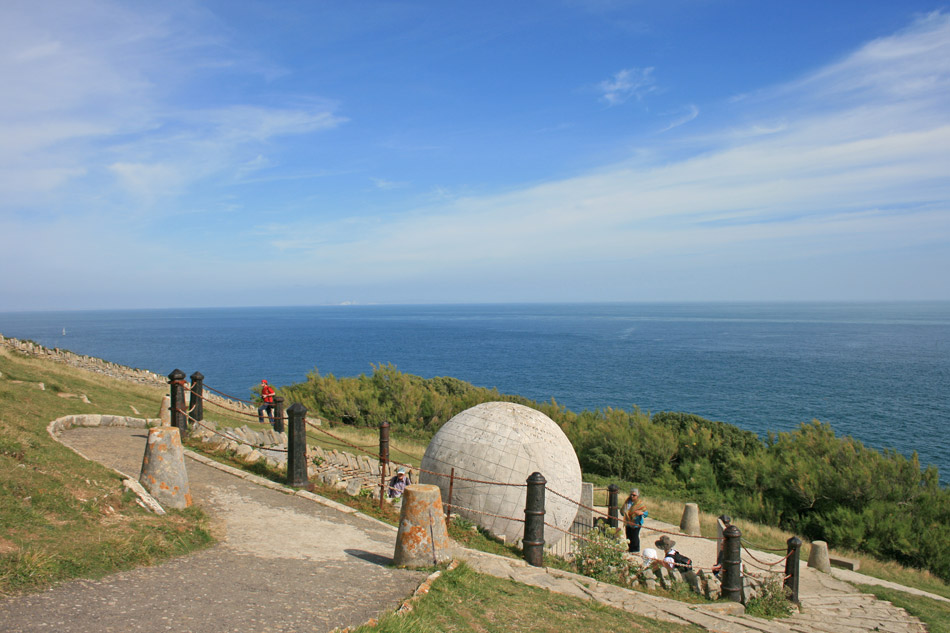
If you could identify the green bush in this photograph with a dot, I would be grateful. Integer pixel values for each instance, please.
(808, 481)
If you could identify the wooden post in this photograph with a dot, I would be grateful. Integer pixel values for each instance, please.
(279, 414)
(196, 403)
(383, 460)
(792, 567)
(297, 446)
(613, 509)
(448, 508)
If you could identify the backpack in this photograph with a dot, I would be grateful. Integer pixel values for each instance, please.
(680, 562)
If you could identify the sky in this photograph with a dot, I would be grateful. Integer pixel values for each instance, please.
(242, 153)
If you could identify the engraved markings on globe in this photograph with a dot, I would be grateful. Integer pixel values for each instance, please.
(504, 442)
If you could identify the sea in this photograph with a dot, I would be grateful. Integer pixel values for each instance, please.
(879, 372)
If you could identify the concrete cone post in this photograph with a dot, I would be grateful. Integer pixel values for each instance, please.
(163, 468)
(422, 540)
(689, 524)
(818, 557)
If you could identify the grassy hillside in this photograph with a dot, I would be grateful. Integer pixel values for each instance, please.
(62, 516)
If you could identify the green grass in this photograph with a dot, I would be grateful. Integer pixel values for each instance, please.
(62, 516)
(463, 601)
(934, 613)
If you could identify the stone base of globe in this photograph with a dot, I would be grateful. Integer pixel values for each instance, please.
(493, 448)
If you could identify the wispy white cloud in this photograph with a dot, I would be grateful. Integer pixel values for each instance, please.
(92, 88)
(627, 84)
(689, 113)
(835, 175)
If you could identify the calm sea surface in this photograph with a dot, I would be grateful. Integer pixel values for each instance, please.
(879, 372)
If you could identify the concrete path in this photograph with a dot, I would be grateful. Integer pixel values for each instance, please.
(285, 563)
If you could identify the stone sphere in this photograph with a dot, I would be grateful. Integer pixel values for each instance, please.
(504, 442)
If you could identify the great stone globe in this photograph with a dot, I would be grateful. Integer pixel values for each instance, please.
(504, 443)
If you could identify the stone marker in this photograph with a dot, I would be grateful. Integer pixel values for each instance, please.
(818, 557)
(163, 468)
(165, 411)
(689, 524)
(422, 540)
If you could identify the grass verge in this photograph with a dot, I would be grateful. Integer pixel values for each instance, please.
(462, 601)
(62, 516)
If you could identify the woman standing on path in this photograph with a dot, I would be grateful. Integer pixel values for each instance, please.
(634, 511)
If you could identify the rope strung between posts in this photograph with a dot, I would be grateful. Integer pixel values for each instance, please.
(624, 521)
(778, 562)
(762, 549)
(224, 395)
(229, 437)
(497, 516)
(226, 408)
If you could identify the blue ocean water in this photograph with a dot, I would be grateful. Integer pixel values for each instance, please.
(877, 371)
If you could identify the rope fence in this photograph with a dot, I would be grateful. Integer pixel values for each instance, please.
(329, 439)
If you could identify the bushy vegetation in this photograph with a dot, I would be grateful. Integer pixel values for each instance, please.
(808, 481)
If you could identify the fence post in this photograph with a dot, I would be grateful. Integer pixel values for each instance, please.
(279, 414)
(297, 446)
(792, 567)
(732, 564)
(533, 542)
(448, 506)
(383, 459)
(613, 509)
(196, 403)
(176, 380)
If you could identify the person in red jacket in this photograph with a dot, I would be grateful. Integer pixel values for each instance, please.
(267, 394)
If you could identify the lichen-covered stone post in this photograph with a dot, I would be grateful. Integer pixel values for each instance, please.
(297, 446)
(613, 509)
(792, 567)
(163, 468)
(533, 542)
(279, 414)
(176, 382)
(196, 403)
(732, 564)
(422, 539)
(383, 459)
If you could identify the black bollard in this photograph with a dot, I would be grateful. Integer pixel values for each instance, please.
(533, 542)
(297, 446)
(732, 564)
(196, 403)
(383, 460)
(279, 414)
(613, 509)
(176, 381)
(792, 568)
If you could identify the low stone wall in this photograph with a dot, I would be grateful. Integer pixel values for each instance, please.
(88, 363)
(339, 469)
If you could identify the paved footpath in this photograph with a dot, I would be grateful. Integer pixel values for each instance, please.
(302, 563)
(285, 563)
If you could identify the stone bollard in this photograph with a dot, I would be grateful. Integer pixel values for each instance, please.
(165, 411)
(422, 540)
(689, 524)
(818, 557)
(163, 468)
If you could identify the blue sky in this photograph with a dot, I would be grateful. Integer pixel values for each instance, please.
(289, 153)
